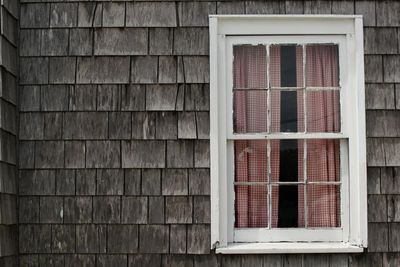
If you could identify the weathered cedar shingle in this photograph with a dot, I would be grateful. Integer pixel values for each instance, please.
(91, 238)
(388, 13)
(377, 208)
(62, 70)
(122, 238)
(380, 96)
(82, 97)
(154, 238)
(231, 7)
(392, 68)
(152, 154)
(367, 9)
(147, 14)
(178, 239)
(106, 209)
(80, 42)
(380, 41)
(63, 14)
(191, 41)
(373, 68)
(53, 125)
(195, 13)
(113, 14)
(35, 15)
(75, 152)
(343, 7)
(54, 42)
(144, 260)
(317, 7)
(103, 154)
(63, 238)
(78, 210)
(270, 7)
(89, 14)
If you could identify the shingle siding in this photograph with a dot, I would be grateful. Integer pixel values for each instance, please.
(114, 125)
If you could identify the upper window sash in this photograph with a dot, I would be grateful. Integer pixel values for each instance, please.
(340, 40)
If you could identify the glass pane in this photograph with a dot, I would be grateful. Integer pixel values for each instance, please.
(323, 111)
(287, 160)
(250, 66)
(250, 111)
(287, 206)
(287, 111)
(251, 206)
(251, 161)
(286, 66)
(323, 160)
(323, 205)
(322, 65)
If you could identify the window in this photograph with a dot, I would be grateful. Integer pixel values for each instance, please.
(288, 160)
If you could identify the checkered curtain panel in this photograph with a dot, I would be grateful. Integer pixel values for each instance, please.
(250, 116)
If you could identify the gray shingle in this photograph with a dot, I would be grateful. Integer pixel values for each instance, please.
(29, 98)
(134, 210)
(317, 7)
(231, 7)
(82, 97)
(80, 260)
(151, 182)
(379, 96)
(373, 68)
(35, 238)
(391, 259)
(374, 180)
(367, 9)
(152, 154)
(85, 182)
(388, 13)
(64, 15)
(378, 237)
(89, 14)
(143, 125)
(377, 208)
(62, 70)
(122, 238)
(154, 238)
(103, 70)
(206, 260)
(75, 152)
(174, 182)
(177, 260)
(109, 97)
(393, 208)
(146, 14)
(110, 182)
(29, 44)
(37, 182)
(270, 7)
(106, 209)
(35, 15)
(201, 209)
(161, 97)
(34, 70)
(166, 125)
(144, 69)
(380, 41)
(63, 239)
(187, 125)
(193, 69)
(31, 126)
(51, 210)
(28, 210)
(198, 241)
(113, 14)
(390, 180)
(375, 152)
(160, 41)
(120, 125)
(53, 125)
(178, 239)
(85, 125)
(54, 98)
(202, 154)
(133, 97)
(91, 238)
(343, 7)
(203, 125)
(195, 13)
(111, 260)
(51, 259)
(382, 123)
(81, 42)
(180, 154)
(49, 154)
(54, 42)
(103, 154)
(26, 154)
(132, 182)
(394, 237)
(167, 69)
(156, 210)
(191, 41)
(117, 41)
(179, 210)
(78, 210)
(392, 146)
(150, 260)
(392, 68)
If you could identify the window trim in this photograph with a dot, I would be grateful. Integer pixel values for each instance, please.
(222, 26)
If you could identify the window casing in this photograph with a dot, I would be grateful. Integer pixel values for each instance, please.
(344, 32)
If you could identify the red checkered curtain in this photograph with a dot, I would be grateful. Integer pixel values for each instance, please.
(275, 80)
(250, 105)
(323, 156)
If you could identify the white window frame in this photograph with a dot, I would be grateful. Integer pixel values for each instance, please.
(346, 31)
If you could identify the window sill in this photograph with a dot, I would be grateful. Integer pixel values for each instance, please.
(284, 248)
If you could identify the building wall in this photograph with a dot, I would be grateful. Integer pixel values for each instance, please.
(8, 132)
(113, 130)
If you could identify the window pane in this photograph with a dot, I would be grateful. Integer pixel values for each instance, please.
(251, 206)
(250, 66)
(322, 65)
(287, 160)
(287, 209)
(323, 160)
(323, 205)
(286, 66)
(251, 161)
(250, 111)
(323, 111)
(287, 111)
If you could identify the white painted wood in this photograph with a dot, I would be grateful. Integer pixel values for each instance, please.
(346, 31)
(289, 248)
